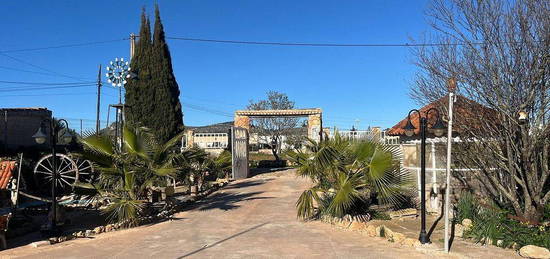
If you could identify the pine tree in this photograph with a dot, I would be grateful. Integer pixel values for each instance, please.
(154, 94)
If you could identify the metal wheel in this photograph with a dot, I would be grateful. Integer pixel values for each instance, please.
(85, 168)
(67, 171)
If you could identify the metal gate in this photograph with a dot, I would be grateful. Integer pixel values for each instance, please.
(239, 151)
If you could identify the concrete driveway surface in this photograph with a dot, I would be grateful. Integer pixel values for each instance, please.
(251, 218)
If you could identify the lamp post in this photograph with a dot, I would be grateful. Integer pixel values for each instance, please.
(438, 130)
(40, 137)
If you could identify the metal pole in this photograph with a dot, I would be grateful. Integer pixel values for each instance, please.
(423, 125)
(448, 180)
(97, 123)
(53, 136)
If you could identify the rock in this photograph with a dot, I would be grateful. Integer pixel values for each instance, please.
(79, 234)
(357, 226)
(459, 230)
(109, 228)
(88, 233)
(467, 223)
(343, 224)
(99, 230)
(61, 239)
(532, 251)
(370, 230)
(500, 243)
(387, 232)
(412, 242)
(40, 243)
(54, 240)
(403, 213)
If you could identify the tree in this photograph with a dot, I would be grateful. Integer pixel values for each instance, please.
(272, 130)
(499, 52)
(153, 96)
(126, 176)
(346, 175)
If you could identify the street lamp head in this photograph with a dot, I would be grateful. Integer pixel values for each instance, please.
(67, 137)
(40, 137)
(409, 128)
(522, 116)
(438, 128)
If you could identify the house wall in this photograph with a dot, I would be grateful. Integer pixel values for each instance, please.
(18, 125)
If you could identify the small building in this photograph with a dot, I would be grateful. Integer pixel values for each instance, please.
(464, 109)
(17, 125)
(212, 138)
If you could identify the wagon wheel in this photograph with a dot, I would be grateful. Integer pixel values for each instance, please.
(86, 172)
(67, 171)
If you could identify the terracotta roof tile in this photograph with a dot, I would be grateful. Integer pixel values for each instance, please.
(6, 172)
(466, 112)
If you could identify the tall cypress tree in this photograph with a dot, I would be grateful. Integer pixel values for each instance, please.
(154, 94)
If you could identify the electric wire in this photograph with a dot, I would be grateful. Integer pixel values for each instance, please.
(39, 67)
(313, 44)
(63, 46)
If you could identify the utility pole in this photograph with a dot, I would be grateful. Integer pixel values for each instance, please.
(132, 45)
(80, 127)
(97, 123)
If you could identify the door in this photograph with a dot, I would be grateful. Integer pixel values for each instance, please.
(239, 151)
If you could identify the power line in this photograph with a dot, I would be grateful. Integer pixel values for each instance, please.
(311, 44)
(204, 109)
(39, 67)
(16, 89)
(43, 83)
(26, 71)
(45, 94)
(63, 46)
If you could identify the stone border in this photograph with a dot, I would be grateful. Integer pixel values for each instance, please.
(371, 231)
(351, 224)
(163, 215)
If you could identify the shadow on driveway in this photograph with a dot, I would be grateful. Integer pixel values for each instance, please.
(223, 240)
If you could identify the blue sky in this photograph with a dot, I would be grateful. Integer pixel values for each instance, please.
(368, 85)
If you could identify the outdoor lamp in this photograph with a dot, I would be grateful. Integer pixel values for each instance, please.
(409, 128)
(522, 116)
(438, 128)
(67, 137)
(40, 136)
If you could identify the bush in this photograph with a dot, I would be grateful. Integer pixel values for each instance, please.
(491, 223)
(466, 207)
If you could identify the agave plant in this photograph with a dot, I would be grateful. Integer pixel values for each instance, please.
(127, 175)
(346, 174)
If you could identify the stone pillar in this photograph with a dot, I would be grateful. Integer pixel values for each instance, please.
(242, 122)
(190, 138)
(314, 126)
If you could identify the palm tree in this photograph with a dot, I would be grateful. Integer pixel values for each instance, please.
(346, 175)
(127, 175)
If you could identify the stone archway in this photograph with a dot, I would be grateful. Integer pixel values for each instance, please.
(314, 121)
(242, 126)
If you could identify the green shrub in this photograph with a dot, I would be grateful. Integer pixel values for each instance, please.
(467, 207)
(491, 223)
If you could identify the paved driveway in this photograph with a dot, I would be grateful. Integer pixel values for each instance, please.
(252, 218)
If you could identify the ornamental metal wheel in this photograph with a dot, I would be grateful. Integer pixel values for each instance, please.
(86, 172)
(67, 172)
